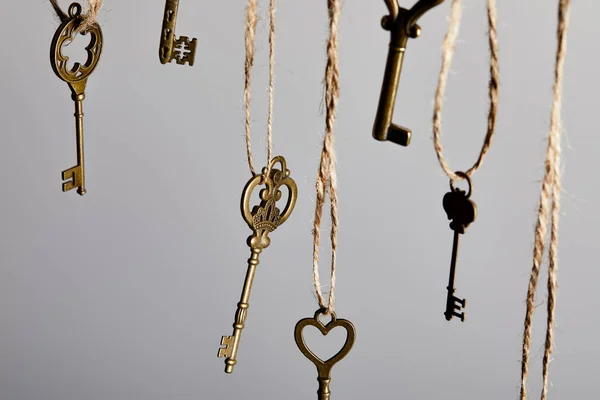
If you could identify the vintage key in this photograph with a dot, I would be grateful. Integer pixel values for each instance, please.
(402, 24)
(262, 219)
(462, 211)
(324, 367)
(76, 77)
(180, 49)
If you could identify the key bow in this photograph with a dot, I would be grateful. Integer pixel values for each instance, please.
(76, 76)
(324, 367)
(266, 217)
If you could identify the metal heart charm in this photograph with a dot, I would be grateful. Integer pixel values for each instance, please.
(324, 366)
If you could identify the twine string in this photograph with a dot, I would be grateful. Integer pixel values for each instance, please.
(448, 48)
(549, 211)
(326, 182)
(89, 17)
(250, 36)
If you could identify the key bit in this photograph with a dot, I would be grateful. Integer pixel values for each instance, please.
(182, 49)
(453, 306)
(227, 343)
(73, 176)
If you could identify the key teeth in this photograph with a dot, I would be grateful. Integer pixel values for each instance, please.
(453, 310)
(459, 304)
(73, 178)
(184, 50)
(226, 341)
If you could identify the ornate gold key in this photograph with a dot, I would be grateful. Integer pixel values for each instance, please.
(402, 24)
(76, 77)
(262, 219)
(324, 367)
(180, 49)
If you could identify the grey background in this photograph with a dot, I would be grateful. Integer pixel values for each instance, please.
(125, 293)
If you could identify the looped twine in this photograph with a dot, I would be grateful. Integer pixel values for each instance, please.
(88, 19)
(448, 48)
(327, 175)
(549, 211)
(462, 176)
(250, 35)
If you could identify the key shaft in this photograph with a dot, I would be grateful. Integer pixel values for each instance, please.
(453, 303)
(455, 244)
(324, 393)
(232, 342)
(75, 176)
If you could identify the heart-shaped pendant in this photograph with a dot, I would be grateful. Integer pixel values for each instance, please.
(324, 367)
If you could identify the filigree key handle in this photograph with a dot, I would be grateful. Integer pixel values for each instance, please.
(76, 77)
(181, 49)
(402, 24)
(462, 211)
(324, 367)
(262, 219)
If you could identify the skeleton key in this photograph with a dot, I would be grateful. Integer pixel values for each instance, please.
(180, 49)
(262, 219)
(462, 211)
(324, 367)
(402, 24)
(76, 77)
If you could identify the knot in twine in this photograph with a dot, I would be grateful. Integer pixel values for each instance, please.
(89, 17)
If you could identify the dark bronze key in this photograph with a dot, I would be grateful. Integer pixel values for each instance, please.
(462, 211)
(402, 24)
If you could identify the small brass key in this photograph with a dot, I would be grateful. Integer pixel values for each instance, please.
(76, 77)
(402, 24)
(324, 367)
(262, 219)
(462, 211)
(181, 49)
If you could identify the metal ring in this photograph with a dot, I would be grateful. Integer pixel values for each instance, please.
(464, 176)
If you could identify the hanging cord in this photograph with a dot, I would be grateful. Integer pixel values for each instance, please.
(251, 21)
(327, 176)
(448, 48)
(89, 17)
(551, 188)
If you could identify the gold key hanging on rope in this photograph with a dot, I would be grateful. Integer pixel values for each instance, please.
(265, 217)
(76, 77)
(457, 203)
(327, 184)
(179, 49)
(402, 24)
(262, 220)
